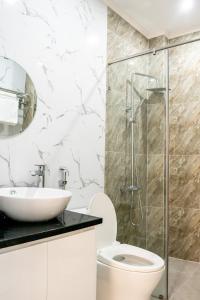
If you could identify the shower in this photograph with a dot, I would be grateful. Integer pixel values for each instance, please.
(135, 98)
(144, 88)
(155, 89)
(132, 111)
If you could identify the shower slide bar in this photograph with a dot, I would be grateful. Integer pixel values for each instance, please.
(153, 51)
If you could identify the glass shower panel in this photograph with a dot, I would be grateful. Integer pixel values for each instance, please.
(135, 152)
(184, 213)
(119, 158)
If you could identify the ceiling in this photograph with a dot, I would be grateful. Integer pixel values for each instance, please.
(157, 17)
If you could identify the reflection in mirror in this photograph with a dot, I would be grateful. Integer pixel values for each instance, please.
(18, 99)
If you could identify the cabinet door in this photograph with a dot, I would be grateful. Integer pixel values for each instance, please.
(72, 267)
(23, 274)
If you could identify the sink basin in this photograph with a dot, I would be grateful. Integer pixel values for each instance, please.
(31, 204)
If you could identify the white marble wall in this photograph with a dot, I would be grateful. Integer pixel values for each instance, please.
(62, 45)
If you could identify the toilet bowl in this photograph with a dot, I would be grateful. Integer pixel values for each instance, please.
(124, 272)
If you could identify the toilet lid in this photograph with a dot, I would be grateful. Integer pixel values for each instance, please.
(101, 206)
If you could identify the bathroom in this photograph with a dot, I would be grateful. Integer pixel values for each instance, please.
(99, 150)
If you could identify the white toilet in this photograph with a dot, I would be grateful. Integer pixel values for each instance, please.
(124, 272)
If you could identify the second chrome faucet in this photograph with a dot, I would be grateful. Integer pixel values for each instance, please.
(63, 177)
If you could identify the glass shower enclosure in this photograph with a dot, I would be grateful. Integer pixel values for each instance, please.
(136, 162)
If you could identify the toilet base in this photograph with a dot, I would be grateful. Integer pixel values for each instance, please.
(118, 284)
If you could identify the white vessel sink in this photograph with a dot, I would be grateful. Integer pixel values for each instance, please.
(30, 204)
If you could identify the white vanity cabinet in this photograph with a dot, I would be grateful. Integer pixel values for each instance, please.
(59, 269)
(72, 267)
(23, 274)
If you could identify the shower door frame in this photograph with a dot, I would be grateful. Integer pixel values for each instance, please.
(153, 51)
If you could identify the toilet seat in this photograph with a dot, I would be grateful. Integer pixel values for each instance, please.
(130, 258)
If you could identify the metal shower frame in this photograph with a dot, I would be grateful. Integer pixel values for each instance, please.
(153, 51)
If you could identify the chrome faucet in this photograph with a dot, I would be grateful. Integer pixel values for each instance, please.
(63, 175)
(40, 172)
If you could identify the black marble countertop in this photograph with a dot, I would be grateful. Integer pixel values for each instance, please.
(16, 233)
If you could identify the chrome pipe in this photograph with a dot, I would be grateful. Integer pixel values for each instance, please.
(166, 174)
(145, 75)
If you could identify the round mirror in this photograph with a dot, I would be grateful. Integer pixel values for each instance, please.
(18, 99)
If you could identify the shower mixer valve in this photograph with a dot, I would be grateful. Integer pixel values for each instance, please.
(131, 188)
